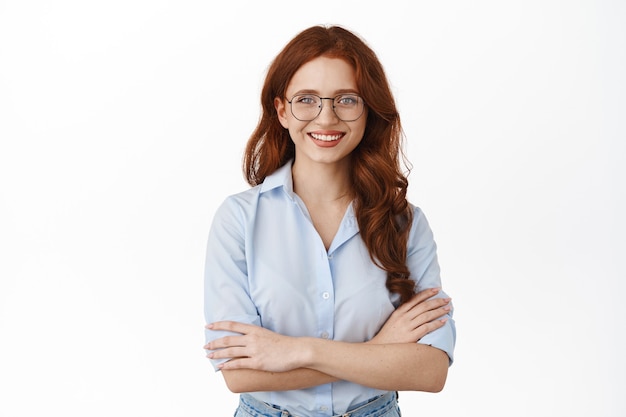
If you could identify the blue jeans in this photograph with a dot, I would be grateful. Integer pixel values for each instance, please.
(383, 406)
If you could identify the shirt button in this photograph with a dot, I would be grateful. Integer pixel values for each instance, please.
(323, 408)
(324, 335)
(325, 295)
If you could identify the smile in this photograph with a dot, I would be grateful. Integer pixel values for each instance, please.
(326, 138)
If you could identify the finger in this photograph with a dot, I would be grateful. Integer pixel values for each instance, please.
(236, 363)
(431, 315)
(233, 352)
(419, 298)
(226, 341)
(232, 326)
(429, 327)
(432, 304)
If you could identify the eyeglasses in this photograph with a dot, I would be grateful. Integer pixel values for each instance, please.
(306, 107)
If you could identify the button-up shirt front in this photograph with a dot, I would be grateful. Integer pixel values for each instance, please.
(267, 265)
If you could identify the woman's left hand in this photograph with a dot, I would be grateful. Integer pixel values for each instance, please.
(256, 348)
(414, 319)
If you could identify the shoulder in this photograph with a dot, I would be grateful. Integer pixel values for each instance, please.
(419, 218)
(244, 205)
(238, 204)
(246, 202)
(420, 228)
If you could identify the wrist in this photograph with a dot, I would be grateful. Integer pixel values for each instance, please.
(309, 351)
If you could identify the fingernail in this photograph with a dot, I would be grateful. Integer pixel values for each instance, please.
(444, 320)
(209, 326)
(435, 290)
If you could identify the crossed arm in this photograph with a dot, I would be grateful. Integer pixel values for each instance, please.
(267, 361)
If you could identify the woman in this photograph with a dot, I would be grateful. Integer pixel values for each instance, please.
(321, 278)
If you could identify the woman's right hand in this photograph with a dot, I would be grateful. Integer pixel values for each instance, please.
(414, 319)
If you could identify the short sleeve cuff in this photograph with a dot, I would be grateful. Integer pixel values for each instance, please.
(443, 338)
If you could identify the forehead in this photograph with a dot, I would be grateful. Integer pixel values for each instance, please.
(323, 75)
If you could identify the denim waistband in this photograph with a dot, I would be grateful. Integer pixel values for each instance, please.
(380, 406)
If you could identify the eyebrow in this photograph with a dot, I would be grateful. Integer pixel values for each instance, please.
(336, 93)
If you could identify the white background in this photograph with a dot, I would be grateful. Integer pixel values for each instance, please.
(122, 125)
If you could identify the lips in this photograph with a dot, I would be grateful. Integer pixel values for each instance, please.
(326, 139)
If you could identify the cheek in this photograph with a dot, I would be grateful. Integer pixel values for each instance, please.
(295, 127)
(359, 132)
(360, 125)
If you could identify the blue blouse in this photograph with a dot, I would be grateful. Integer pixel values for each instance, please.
(267, 265)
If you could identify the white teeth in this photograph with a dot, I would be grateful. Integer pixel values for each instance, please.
(326, 138)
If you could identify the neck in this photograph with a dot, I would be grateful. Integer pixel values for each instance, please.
(321, 182)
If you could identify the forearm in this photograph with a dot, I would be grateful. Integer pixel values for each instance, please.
(250, 380)
(393, 367)
(390, 361)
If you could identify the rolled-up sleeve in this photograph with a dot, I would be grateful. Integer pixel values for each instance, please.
(424, 267)
(226, 290)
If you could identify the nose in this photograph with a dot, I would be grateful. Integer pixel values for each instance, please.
(327, 112)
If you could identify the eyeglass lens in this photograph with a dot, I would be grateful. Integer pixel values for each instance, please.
(347, 107)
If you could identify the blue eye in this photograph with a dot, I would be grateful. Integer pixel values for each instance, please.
(309, 100)
(347, 100)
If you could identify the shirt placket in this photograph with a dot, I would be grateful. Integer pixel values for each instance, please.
(325, 301)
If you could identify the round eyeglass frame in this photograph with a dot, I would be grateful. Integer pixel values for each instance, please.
(321, 106)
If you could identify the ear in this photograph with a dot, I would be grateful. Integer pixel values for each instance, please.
(281, 111)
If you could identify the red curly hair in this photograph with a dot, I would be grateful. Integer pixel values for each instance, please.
(379, 185)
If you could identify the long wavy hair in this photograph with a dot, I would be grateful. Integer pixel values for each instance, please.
(378, 183)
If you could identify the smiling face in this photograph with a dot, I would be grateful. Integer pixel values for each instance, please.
(325, 139)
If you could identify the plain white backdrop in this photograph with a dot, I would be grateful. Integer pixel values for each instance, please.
(122, 125)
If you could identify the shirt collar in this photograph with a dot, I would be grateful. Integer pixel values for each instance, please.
(280, 178)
